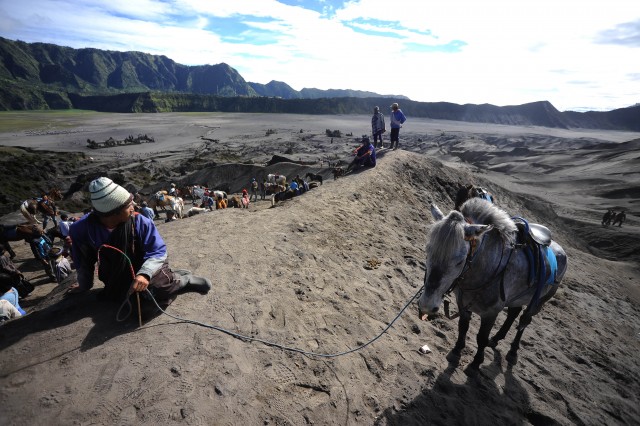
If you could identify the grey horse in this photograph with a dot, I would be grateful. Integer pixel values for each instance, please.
(476, 254)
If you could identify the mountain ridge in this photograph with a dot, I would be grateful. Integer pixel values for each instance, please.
(37, 76)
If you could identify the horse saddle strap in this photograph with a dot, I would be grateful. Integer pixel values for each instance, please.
(540, 234)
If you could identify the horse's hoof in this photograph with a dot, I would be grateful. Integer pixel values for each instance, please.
(472, 370)
(454, 356)
(512, 358)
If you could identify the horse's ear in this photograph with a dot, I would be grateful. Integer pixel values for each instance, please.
(435, 211)
(474, 231)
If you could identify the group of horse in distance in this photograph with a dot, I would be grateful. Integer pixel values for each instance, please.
(32, 228)
(611, 218)
(272, 185)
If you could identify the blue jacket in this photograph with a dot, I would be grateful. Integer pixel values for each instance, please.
(370, 160)
(12, 297)
(397, 118)
(40, 248)
(86, 232)
(148, 212)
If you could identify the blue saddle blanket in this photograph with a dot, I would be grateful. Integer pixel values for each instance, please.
(542, 267)
(552, 265)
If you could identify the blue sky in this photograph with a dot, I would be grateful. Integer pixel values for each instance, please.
(577, 54)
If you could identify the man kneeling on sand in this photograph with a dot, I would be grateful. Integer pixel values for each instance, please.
(131, 254)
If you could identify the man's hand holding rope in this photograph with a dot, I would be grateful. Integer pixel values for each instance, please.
(140, 283)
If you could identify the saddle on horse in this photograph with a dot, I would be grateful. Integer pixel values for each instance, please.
(535, 239)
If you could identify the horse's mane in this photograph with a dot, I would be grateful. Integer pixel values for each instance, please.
(445, 234)
(477, 210)
(448, 232)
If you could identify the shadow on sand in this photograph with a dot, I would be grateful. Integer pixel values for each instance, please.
(478, 401)
(57, 309)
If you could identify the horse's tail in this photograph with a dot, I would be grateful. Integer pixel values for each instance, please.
(27, 214)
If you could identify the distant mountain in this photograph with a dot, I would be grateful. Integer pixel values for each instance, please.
(282, 90)
(47, 76)
(276, 89)
(93, 71)
(340, 93)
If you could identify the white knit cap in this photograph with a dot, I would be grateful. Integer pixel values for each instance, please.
(107, 196)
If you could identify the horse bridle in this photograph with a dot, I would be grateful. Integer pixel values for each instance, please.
(474, 248)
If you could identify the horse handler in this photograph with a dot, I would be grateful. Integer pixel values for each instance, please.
(131, 253)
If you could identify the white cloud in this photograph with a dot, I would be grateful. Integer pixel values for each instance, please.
(508, 52)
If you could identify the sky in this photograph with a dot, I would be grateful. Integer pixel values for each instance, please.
(577, 54)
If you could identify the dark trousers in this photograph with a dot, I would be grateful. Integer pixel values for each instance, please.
(45, 221)
(395, 137)
(164, 284)
(377, 135)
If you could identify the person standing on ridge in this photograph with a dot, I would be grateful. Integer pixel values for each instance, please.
(397, 119)
(254, 189)
(377, 127)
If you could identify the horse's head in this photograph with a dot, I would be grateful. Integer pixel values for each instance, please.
(448, 245)
(55, 194)
(463, 194)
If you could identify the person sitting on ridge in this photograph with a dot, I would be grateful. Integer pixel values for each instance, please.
(59, 264)
(132, 254)
(147, 211)
(245, 199)
(295, 187)
(171, 216)
(365, 155)
(17, 278)
(221, 203)
(9, 293)
(207, 202)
